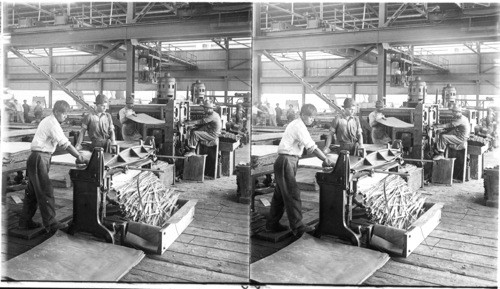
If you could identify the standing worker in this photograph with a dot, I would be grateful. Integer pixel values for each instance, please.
(19, 111)
(457, 132)
(129, 127)
(38, 111)
(346, 130)
(279, 114)
(290, 113)
(99, 126)
(378, 134)
(272, 114)
(286, 195)
(206, 129)
(26, 110)
(39, 191)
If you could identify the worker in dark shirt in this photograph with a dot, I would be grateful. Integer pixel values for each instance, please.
(456, 132)
(26, 110)
(206, 129)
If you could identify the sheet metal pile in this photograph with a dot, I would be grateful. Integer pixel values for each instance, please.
(143, 198)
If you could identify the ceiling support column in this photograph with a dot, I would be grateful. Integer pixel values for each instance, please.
(51, 86)
(304, 74)
(381, 59)
(130, 57)
(256, 57)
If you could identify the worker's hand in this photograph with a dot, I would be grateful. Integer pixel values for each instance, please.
(78, 147)
(326, 150)
(81, 160)
(360, 145)
(113, 143)
(384, 118)
(329, 161)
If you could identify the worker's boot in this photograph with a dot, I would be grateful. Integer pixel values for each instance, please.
(438, 156)
(191, 152)
(52, 228)
(276, 227)
(301, 230)
(29, 225)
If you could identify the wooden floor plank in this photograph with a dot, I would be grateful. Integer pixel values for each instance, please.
(443, 278)
(453, 244)
(222, 226)
(453, 266)
(385, 279)
(228, 215)
(220, 266)
(443, 234)
(201, 231)
(214, 243)
(142, 276)
(195, 275)
(466, 230)
(208, 252)
(489, 226)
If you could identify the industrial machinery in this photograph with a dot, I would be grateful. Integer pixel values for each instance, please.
(91, 186)
(337, 187)
(197, 92)
(449, 95)
(417, 91)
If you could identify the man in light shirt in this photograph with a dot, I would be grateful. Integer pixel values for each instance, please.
(286, 195)
(378, 133)
(39, 191)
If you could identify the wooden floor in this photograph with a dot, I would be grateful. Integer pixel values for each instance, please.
(461, 251)
(213, 249)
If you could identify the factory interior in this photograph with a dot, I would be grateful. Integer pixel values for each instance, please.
(253, 143)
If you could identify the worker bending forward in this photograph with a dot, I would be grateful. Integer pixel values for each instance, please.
(346, 130)
(457, 132)
(286, 195)
(206, 129)
(39, 191)
(378, 134)
(99, 126)
(129, 127)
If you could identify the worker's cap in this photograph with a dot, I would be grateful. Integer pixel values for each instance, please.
(349, 102)
(455, 107)
(101, 99)
(379, 104)
(208, 104)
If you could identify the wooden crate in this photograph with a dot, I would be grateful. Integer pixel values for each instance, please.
(154, 239)
(403, 243)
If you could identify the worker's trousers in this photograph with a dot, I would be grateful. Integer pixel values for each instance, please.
(286, 195)
(444, 140)
(196, 136)
(39, 190)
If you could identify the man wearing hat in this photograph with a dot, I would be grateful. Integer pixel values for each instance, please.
(207, 129)
(346, 129)
(378, 134)
(129, 127)
(99, 126)
(457, 132)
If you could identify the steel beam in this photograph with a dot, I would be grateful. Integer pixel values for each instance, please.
(300, 40)
(92, 63)
(396, 14)
(197, 74)
(52, 79)
(142, 32)
(468, 78)
(304, 83)
(344, 66)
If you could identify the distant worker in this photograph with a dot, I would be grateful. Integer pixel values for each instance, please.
(38, 111)
(39, 192)
(272, 115)
(279, 114)
(19, 111)
(346, 130)
(26, 110)
(206, 129)
(99, 125)
(129, 127)
(378, 134)
(290, 113)
(457, 132)
(286, 195)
